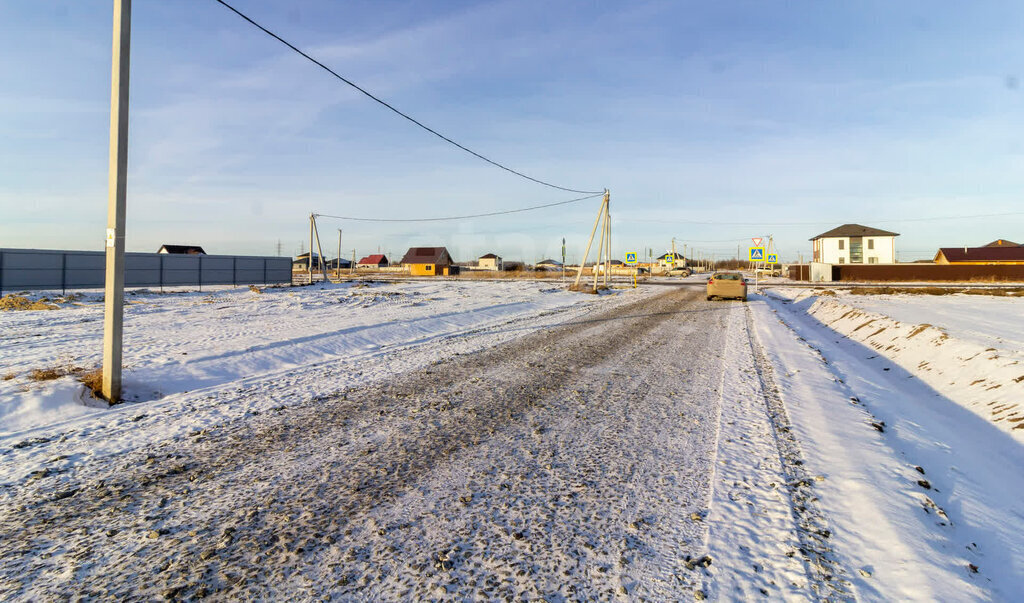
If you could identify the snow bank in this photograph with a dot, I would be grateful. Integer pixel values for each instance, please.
(956, 358)
(923, 496)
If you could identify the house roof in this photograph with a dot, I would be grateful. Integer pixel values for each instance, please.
(1002, 243)
(855, 230)
(188, 249)
(489, 256)
(427, 255)
(679, 256)
(982, 254)
(551, 262)
(377, 258)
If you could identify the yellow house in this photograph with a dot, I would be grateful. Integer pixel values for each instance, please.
(429, 261)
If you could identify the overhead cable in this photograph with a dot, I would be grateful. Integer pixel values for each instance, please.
(493, 213)
(393, 109)
(818, 223)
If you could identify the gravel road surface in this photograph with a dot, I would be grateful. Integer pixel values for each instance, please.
(576, 463)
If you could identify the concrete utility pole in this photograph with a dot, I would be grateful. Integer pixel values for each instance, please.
(113, 304)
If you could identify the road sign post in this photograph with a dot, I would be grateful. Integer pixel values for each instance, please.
(756, 255)
(631, 261)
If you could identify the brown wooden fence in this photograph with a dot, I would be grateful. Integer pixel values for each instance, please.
(917, 272)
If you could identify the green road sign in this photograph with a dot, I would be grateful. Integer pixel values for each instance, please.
(756, 254)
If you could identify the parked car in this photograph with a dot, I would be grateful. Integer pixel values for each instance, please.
(679, 271)
(727, 285)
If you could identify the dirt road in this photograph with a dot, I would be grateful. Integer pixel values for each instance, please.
(575, 463)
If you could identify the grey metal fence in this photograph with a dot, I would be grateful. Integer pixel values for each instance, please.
(35, 269)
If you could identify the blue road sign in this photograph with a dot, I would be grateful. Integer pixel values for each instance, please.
(773, 258)
(756, 254)
(630, 257)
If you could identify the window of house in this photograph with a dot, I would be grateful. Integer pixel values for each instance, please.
(871, 244)
(842, 260)
(842, 244)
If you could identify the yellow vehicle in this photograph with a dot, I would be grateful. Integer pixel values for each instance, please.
(727, 285)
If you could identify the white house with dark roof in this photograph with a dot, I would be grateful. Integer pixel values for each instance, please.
(489, 262)
(855, 244)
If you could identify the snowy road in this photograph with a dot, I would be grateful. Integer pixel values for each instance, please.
(573, 462)
(646, 451)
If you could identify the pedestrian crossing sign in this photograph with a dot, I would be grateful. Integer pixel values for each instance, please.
(670, 257)
(757, 254)
(631, 257)
(773, 258)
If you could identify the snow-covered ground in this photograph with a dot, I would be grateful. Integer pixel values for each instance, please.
(922, 492)
(970, 348)
(986, 320)
(188, 354)
(378, 443)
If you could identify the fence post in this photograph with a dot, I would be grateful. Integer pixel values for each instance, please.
(200, 273)
(264, 271)
(234, 270)
(161, 273)
(63, 273)
(1, 274)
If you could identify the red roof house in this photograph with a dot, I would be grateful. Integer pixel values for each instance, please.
(377, 260)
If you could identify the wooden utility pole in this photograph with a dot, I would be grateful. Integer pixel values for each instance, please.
(309, 264)
(590, 241)
(600, 245)
(608, 251)
(322, 260)
(113, 304)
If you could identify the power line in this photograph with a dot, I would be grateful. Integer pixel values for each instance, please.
(494, 213)
(731, 223)
(393, 109)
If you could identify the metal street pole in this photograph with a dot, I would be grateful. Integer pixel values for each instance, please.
(113, 304)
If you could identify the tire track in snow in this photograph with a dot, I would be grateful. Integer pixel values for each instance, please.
(829, 579)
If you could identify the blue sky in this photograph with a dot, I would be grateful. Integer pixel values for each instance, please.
(709, 122)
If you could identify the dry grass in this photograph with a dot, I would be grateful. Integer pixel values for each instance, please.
(475, 275)
(94, 381)
(46, 374)
(14, 302)
(255, 289)
(996, 291)
(10, 376)
(587, 288)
